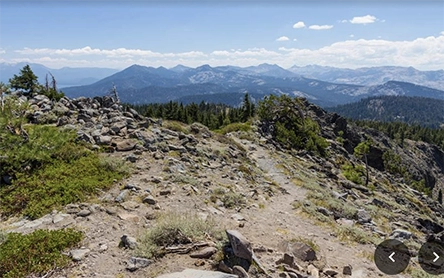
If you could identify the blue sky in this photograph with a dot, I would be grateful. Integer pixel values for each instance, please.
(117, 34)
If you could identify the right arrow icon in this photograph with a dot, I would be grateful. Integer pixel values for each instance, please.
(436, 257)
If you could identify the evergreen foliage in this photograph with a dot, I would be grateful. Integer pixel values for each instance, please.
(28, 84)
(401, 131)
(289, 126)
(214, 116)
(422, 111)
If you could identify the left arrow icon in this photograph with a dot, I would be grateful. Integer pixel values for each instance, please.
(391, 257)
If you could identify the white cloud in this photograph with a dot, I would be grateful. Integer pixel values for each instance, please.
(295, 40)
(422, 53)
(2, 51)
(352, 36)
(320, 27)
(363, 19)
(442, 33)
(299, 25)
(282, 39)
(343, 21)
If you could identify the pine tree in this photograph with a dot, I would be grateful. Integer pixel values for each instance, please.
(26, 82)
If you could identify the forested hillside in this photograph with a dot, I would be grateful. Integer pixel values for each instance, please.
(411, 110)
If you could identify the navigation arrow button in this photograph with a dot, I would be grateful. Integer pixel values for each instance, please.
(391, 257)
(436, 257)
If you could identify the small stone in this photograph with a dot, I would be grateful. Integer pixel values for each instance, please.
(84, 213)
(204, 253)
(313, 271)
(79, 254)
(129, 217)
(103, 248)
(128, 242)
(122, 196)
(347, 270)
(165, 192)
(223, 267)
(149, 200)
(134, 263)
(363, 216)
(240, 271)
(400, 234)
(330, 272)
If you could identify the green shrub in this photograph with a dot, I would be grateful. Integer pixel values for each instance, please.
(36, 253)
(354, 173)
(56, 185)
(175, 229)
(291, 127)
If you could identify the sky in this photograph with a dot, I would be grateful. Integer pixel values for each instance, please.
(117, 33)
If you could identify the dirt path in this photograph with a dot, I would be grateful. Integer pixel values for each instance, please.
(277, 222)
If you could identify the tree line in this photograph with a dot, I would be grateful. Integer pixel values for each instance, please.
(400, 131)
(214, 116)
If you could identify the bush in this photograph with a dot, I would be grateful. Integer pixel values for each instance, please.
(36, 253)
(56, 185)
(353, 173)
(175, 229)
(235, 127)
(284, 118)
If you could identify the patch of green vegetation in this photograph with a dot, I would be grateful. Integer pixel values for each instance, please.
(36, 253)
(292, 128)
(49, 167)
(229, 198)
(246, 127)
(56, 185)
(174, 229)
(355, 234)
(353, 173)
(176, 126)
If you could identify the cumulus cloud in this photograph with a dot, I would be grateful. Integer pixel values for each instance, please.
(422, 53)
(320, 27)
(299, 25)
(442, 33)
(363, 19)
(282, 39)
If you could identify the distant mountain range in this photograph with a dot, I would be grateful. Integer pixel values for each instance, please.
(65, 76)
(412, 110)
(139, 84)
(324, 86)
(373, 76)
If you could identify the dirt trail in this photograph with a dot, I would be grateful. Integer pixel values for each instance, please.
(278, 221)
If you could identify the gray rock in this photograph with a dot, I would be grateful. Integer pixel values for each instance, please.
(204, 253)
(330, 272)
(134, 263)
(241, 246)
(240, 272)
(302, 251)
(363, 216)
(347, 270)
(149, 200)
(122, 196)
(400, 234)
(84, 213)
(104, 140)
(79, 254)
(194, 273)
(128, 242)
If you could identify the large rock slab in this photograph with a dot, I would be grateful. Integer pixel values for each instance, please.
(194, 273)
(241, 246)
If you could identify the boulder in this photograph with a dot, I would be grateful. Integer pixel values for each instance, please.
(241, 246)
